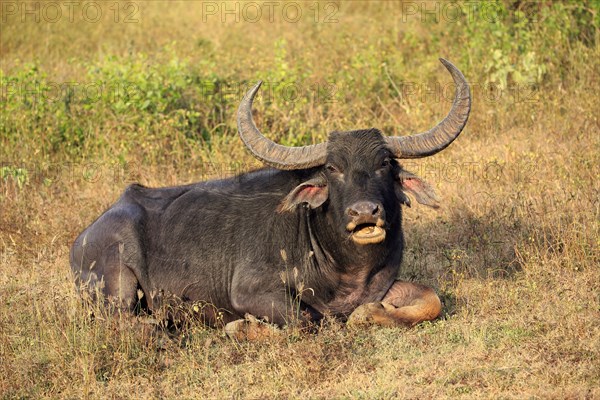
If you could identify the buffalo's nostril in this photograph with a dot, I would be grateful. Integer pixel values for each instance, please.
(364, 208)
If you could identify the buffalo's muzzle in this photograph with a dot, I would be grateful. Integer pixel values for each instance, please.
(366, 220)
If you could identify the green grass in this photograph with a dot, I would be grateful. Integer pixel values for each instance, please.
(513, 252)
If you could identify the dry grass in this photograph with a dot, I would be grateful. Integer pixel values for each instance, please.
(514, 251)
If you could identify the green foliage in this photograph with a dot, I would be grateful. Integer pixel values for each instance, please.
(16, 175)
(517, 42)
(138, 85)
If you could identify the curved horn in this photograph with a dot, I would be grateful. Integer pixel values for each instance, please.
(439, 137)
(269, 152)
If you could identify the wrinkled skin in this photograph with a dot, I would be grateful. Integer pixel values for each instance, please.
(278, 245)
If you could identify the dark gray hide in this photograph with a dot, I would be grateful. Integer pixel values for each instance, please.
(233, 242)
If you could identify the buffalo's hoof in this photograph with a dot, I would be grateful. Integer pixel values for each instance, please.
(380, 313)
(250, 328)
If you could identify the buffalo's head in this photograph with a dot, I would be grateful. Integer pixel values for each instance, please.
(358, 171)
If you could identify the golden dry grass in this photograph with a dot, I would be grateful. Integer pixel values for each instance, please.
(513, 252)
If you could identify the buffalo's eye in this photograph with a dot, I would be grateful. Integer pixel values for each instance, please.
(331, 168)
(385, 163)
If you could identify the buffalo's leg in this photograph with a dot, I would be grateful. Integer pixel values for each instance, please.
(107, 258)
(270, 306)
(267, 305)
(112, 279)
(405, 304)
(250, 328)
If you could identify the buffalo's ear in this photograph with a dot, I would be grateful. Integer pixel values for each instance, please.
(407, 182)
(313, 192)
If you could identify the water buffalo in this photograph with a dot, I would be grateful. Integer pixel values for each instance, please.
(317, 232)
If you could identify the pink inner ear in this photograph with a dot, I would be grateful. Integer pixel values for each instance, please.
(310, 190)
(313, 195)
(422, 192)
(308, 193)
(412, 184)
